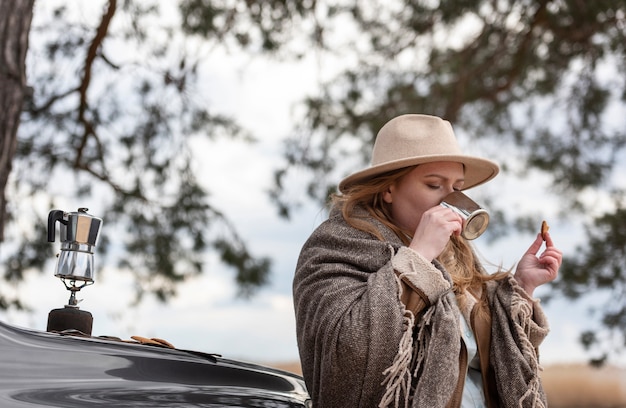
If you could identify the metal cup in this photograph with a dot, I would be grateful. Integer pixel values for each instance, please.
(476, 219)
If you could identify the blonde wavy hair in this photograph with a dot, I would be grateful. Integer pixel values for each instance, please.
(458, 257)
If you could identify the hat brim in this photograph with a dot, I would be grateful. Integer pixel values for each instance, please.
(477, 170)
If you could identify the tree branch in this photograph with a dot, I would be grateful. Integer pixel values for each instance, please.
(466, 76)
(51, 101)
(92, 53)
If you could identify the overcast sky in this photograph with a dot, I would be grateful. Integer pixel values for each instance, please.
(206, 315)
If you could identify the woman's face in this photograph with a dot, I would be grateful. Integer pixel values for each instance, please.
(421, 189)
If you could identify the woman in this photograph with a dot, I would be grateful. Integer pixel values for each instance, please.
(393, 307)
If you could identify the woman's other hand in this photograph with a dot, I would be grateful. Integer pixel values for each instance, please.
(532, 270)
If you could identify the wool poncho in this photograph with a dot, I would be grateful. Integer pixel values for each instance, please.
(360, 346)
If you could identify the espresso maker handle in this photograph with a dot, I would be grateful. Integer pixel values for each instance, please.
(53, 217)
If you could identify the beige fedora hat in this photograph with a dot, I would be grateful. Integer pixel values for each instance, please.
(409, 140)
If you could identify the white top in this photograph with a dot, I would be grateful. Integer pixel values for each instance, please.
(473, 396)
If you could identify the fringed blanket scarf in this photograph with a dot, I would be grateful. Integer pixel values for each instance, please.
(360, 347)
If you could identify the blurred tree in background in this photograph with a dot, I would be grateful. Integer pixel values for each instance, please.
(541, 84)
(108, 111)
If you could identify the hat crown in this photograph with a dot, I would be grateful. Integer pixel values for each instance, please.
(410, 136)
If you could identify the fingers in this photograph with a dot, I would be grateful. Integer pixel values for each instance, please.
(434, 230)
(551, 250)
(446, 219)
(551, 266)
(535, 246)
(549, 242)
(551, 257)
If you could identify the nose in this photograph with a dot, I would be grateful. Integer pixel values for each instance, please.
(448, 189)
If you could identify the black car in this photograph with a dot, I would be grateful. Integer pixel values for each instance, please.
(71, 369)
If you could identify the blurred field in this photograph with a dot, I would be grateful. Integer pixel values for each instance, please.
(581, 386)
(567, 385)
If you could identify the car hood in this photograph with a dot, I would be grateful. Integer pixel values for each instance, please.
(60, 370)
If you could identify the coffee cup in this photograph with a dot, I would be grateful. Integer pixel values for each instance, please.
(475, 218)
